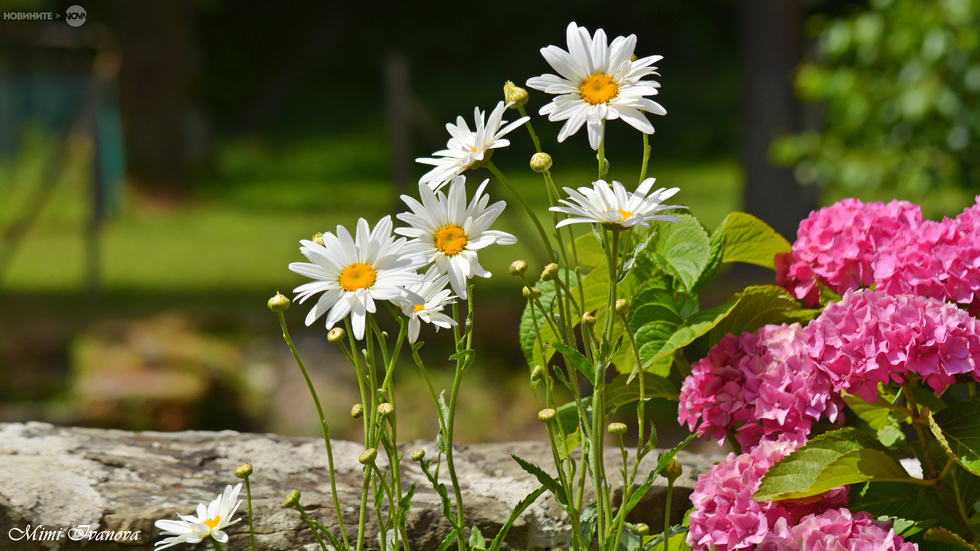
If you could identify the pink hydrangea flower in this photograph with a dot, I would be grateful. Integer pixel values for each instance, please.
(834, 530)
(939, 260)
(836, 246)
(760, 385)
(726, 517)
(870, 337)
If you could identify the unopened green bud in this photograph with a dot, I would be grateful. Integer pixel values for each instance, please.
(386, 409)
(357, 411)
(672, 469)
(368, 456)
(540, 162)
(537, 373)
(622, 306)
(292, 499)
(278, 303)
(518, 267)
(336, 335)
(515, 95)
(547, 415)
(418, 454)
(550, 272)
(641, 529)
(318, 239)
(529, 292)
(616, 428)
(243, 471)
(588, 319)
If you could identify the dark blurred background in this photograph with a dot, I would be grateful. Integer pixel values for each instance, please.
(160, 162)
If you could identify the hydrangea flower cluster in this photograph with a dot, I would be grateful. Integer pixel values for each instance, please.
(758, 386)
(837, 530)
(871, 337)
(726, 517)
(836, 246)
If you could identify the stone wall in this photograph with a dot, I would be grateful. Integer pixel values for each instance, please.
(54, 480)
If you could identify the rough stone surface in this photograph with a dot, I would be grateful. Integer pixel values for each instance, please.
(57, 479)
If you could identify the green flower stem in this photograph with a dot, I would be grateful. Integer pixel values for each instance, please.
(530, 129)
(360, 376)
(627, 489)
(601, 155)
(670, 492)
(362, 515)
(527, 208)
(646, 157)
(248, 505)
(954, 507)
(215, 543)
(302, 512)
(457, 380)
(323, 426)
(544, 311)
(573, 514)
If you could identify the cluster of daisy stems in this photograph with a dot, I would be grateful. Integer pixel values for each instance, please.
(872, 302)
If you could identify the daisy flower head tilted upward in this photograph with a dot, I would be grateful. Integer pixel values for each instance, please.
(435, 296)
(467, 149)
(448, 232)
(597, 81)
(354, 272)
(210, 521)
(613, 206)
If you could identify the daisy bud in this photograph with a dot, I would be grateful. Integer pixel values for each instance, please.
(292, 499)
(243, 471)
(418, 454)
(368, 456)
(537, 373)
(673, 469)
(529, 292)
(550, 272)
(357, 411)
(518, 267)
(622, 306)
(336, 335)
(278, 303)
(547, 415)
(540, 162)
(515, 95)
(318, 239)
(616, 428)
(588, 319)
(640, 529)
(386, 409)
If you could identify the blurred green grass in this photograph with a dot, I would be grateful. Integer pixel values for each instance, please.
(241, 229)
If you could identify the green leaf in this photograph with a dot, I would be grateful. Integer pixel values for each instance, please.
(620, 391)
(750, 240)
(448, 541)
(476, 538)
(682, 249)
(548, 481)
(716, 252)
(881, 417)
(945, 536)
(578, 360)
(514, 515)
(833, 459)
(761, 305)
(529, 343)
(957, 428)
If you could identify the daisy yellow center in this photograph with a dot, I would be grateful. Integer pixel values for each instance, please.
(212, 522)
(358, 276)
(598, 88)
(625, 213)
(418, 308)
(450, 239)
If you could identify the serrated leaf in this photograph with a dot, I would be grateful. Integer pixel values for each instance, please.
(957, 428)
(682, 249)
(760, 305)
(546, 480)
(660, 329)
(830, 460)
(716, 251)
(881, 417)
(476, 538)
(750, 240)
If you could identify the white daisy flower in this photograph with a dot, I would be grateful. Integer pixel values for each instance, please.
(436, 296)
(354, 272)
(209, 522)
(613, 205)
(467, 149)
(449, 232)
(598, 82)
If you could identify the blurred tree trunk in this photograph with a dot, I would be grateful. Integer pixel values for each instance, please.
(157, 44)
(770, 46)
